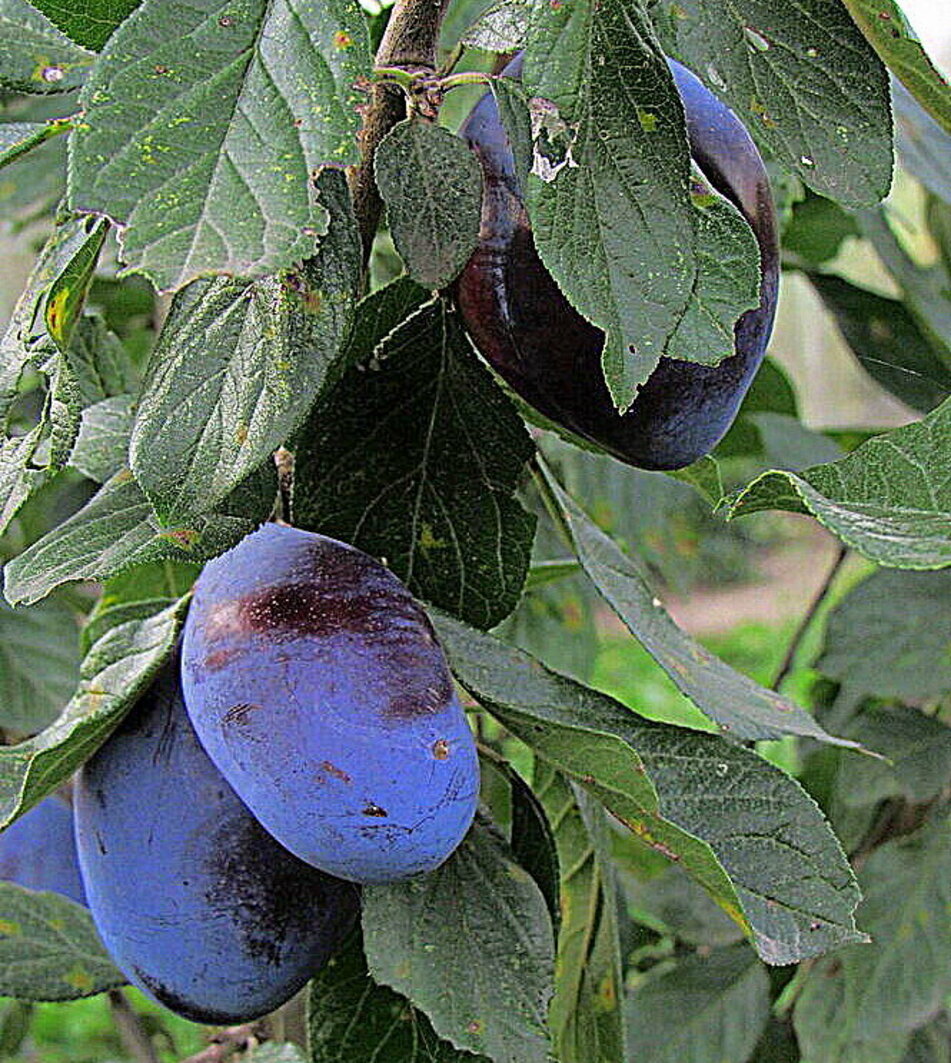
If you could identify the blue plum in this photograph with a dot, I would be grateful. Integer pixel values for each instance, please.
(198, 905)
(316, 684)
(551, 356)
(38, 850)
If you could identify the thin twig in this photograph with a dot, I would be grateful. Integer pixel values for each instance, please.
(409, 42)
(806, 622)
(284, 460)
(225, 1043)
(132, 1033)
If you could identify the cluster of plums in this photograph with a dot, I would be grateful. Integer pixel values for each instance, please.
(306, 738)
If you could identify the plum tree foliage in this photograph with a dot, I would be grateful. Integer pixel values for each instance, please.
(276, 264)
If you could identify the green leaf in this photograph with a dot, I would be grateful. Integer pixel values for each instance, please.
(116, 670)
(63, 267)
(500, 26)
(89, 23)
(817, 229)
(931, 1043)
(379, 314)
(927, 290)
(352, 1019)
(237, 367)
(432, 186)
(890, 499)
(737, 703)
(674, 905)
(938, 220)
(17, 138)
(533, 842)
(115, 530)
(744, 830)
(471, 945)
(417, 460)
(887, 342)
(706, 1008)
(802, 77)
(727, 280)
(887, 30)
(864, 1003)
(703, 476)
(890, 636)
(15, 1019)
(203, 131)
(21, 472)
(137, 594)
(66, 297)
(916, 756)
(98, 363)
(786, 443)
(102, 445)
(34, 55)
(585, 1014)
(609, 201)
(27, 340)
(923, 146)
(33, 184)
(49, 948)
(39, 664)
(557, 621)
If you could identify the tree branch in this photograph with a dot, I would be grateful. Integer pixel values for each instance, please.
(409, 42)
(227, 1042)
(131, 1031)
(806, 622)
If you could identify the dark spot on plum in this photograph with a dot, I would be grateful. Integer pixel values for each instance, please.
(374, 810)
(295, 610)
(101, 844)
(177, 1003)
(337, 773)
(165, 722)
(441, 749)
(220, 658)
(239, 714)
(280, 895)
(392, 834)
(434, 698)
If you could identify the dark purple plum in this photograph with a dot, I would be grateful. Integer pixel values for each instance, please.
(551, 356)
(38, 850)
(198, 905)
(316, 684)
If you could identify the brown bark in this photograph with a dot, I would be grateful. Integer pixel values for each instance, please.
(410, 43)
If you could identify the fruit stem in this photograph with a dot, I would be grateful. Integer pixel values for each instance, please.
(409, 41)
